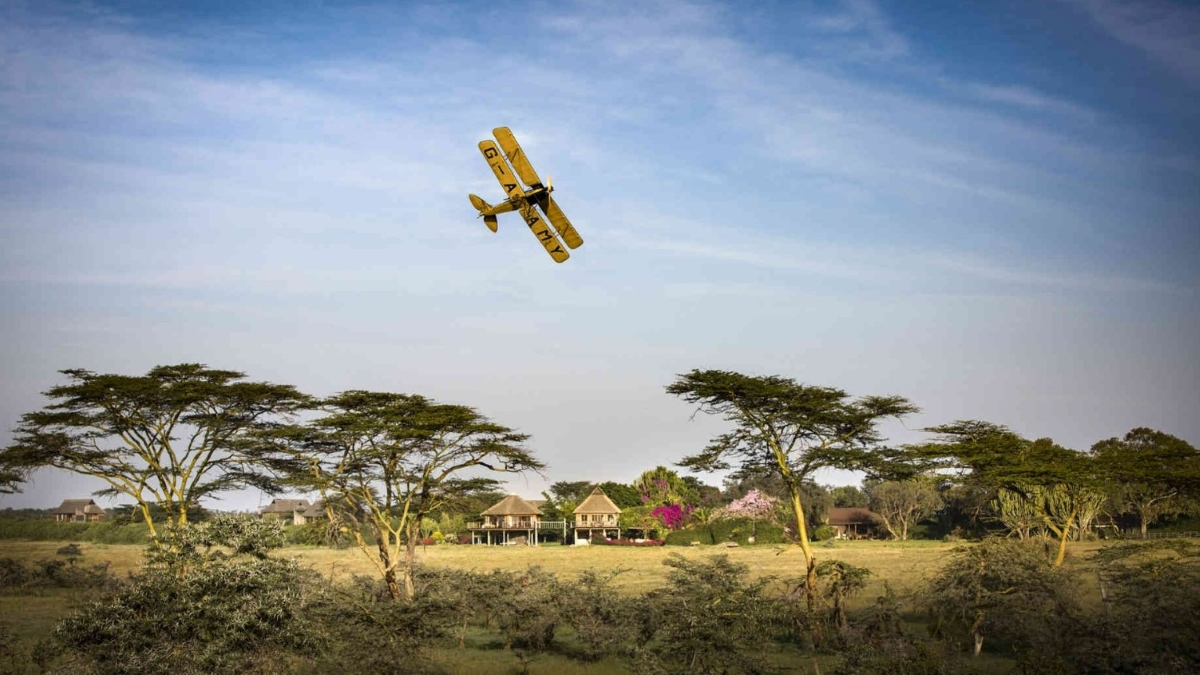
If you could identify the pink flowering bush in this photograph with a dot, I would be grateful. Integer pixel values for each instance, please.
(672, 516)
(755, 505)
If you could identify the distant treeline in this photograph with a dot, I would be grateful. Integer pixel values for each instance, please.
(49, 530)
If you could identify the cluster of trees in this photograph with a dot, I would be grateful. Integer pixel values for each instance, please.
(386, 463)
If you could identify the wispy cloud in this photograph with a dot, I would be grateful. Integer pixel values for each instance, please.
(1030, 99)
(1166, 30)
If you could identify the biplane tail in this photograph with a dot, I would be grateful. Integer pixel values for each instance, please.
(485, 210)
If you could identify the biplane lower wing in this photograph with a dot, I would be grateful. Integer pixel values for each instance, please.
(559, 220)
(542, 231)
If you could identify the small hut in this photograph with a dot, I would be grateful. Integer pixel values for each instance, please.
(852, 522)
(596, 515)
(512, 520)
(313, 513)
(284, 509)
(78, 511)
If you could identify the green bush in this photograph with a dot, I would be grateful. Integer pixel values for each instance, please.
(99, 533)
(16, 578)
(733, 529)
(824, 532)
(686, 537)
(209, 600)
(710, 617)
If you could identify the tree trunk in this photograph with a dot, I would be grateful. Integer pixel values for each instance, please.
(410, 562)
(810, 583)
(1144, 525)
(978, 643)
(1063, 536)
(393, 586)
(148, 518)
(385, 560)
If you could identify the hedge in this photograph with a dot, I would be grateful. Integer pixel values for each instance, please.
(51, 530)
(733, 529)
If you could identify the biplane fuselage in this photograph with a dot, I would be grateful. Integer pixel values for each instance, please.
(512, 168)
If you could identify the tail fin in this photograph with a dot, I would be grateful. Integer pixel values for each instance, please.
(479, 204)
(490, 221)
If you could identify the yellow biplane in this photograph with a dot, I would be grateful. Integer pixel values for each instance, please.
(528, 200)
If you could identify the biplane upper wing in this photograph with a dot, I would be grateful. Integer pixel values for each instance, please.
(559, 220)
(500, 167)
(516, 156)
(536, 225)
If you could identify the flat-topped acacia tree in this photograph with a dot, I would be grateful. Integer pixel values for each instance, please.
(1055, 484)
(788, 429)
(168, 438)
(388, 460)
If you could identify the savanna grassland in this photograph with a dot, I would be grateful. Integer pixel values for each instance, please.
(904, 567)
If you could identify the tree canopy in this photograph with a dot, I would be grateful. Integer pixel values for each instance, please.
(1147, 472)
(168, 438)
(1057, 484)
(391, 459)
(786, 428)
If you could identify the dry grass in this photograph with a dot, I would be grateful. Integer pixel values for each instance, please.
(902, 565)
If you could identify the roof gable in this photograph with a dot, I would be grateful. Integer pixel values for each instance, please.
(72, 506)
(850, 515)
(285, 505)
(597, 502)
(513, 505)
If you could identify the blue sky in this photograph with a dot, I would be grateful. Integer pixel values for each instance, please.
(990, 209)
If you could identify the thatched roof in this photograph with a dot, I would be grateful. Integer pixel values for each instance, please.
(851, 515)
(597, 502)
(316, 510)
(513, 505)
(286, 505)
(77, 506)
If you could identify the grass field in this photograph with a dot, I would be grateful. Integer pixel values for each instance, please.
(901, 565)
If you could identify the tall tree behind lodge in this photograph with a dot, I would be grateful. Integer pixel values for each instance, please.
(389, 460)
(786, 428)
(168, 438)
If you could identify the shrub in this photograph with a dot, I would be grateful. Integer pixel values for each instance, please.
(197, 610)
(603, 619)
(108, 532)
(15, 577)
(738, 530)
(824, 532)
(686, 537)
(708, 619)
(1000, 588)
(629, 542)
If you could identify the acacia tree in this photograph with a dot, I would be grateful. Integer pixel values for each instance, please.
(1056, 482)
(788, 429)
(167, 439)
(902, 503)
(388, 460)
(1146, 469)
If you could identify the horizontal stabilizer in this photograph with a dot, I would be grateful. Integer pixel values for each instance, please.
(490, 221)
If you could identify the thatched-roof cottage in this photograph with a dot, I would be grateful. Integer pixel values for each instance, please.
(596, 515)
(313, 513)
(78, 510)
(511, 520)
(852, 522)
(285, 509)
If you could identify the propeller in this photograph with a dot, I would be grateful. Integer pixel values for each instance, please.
(549, 183)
